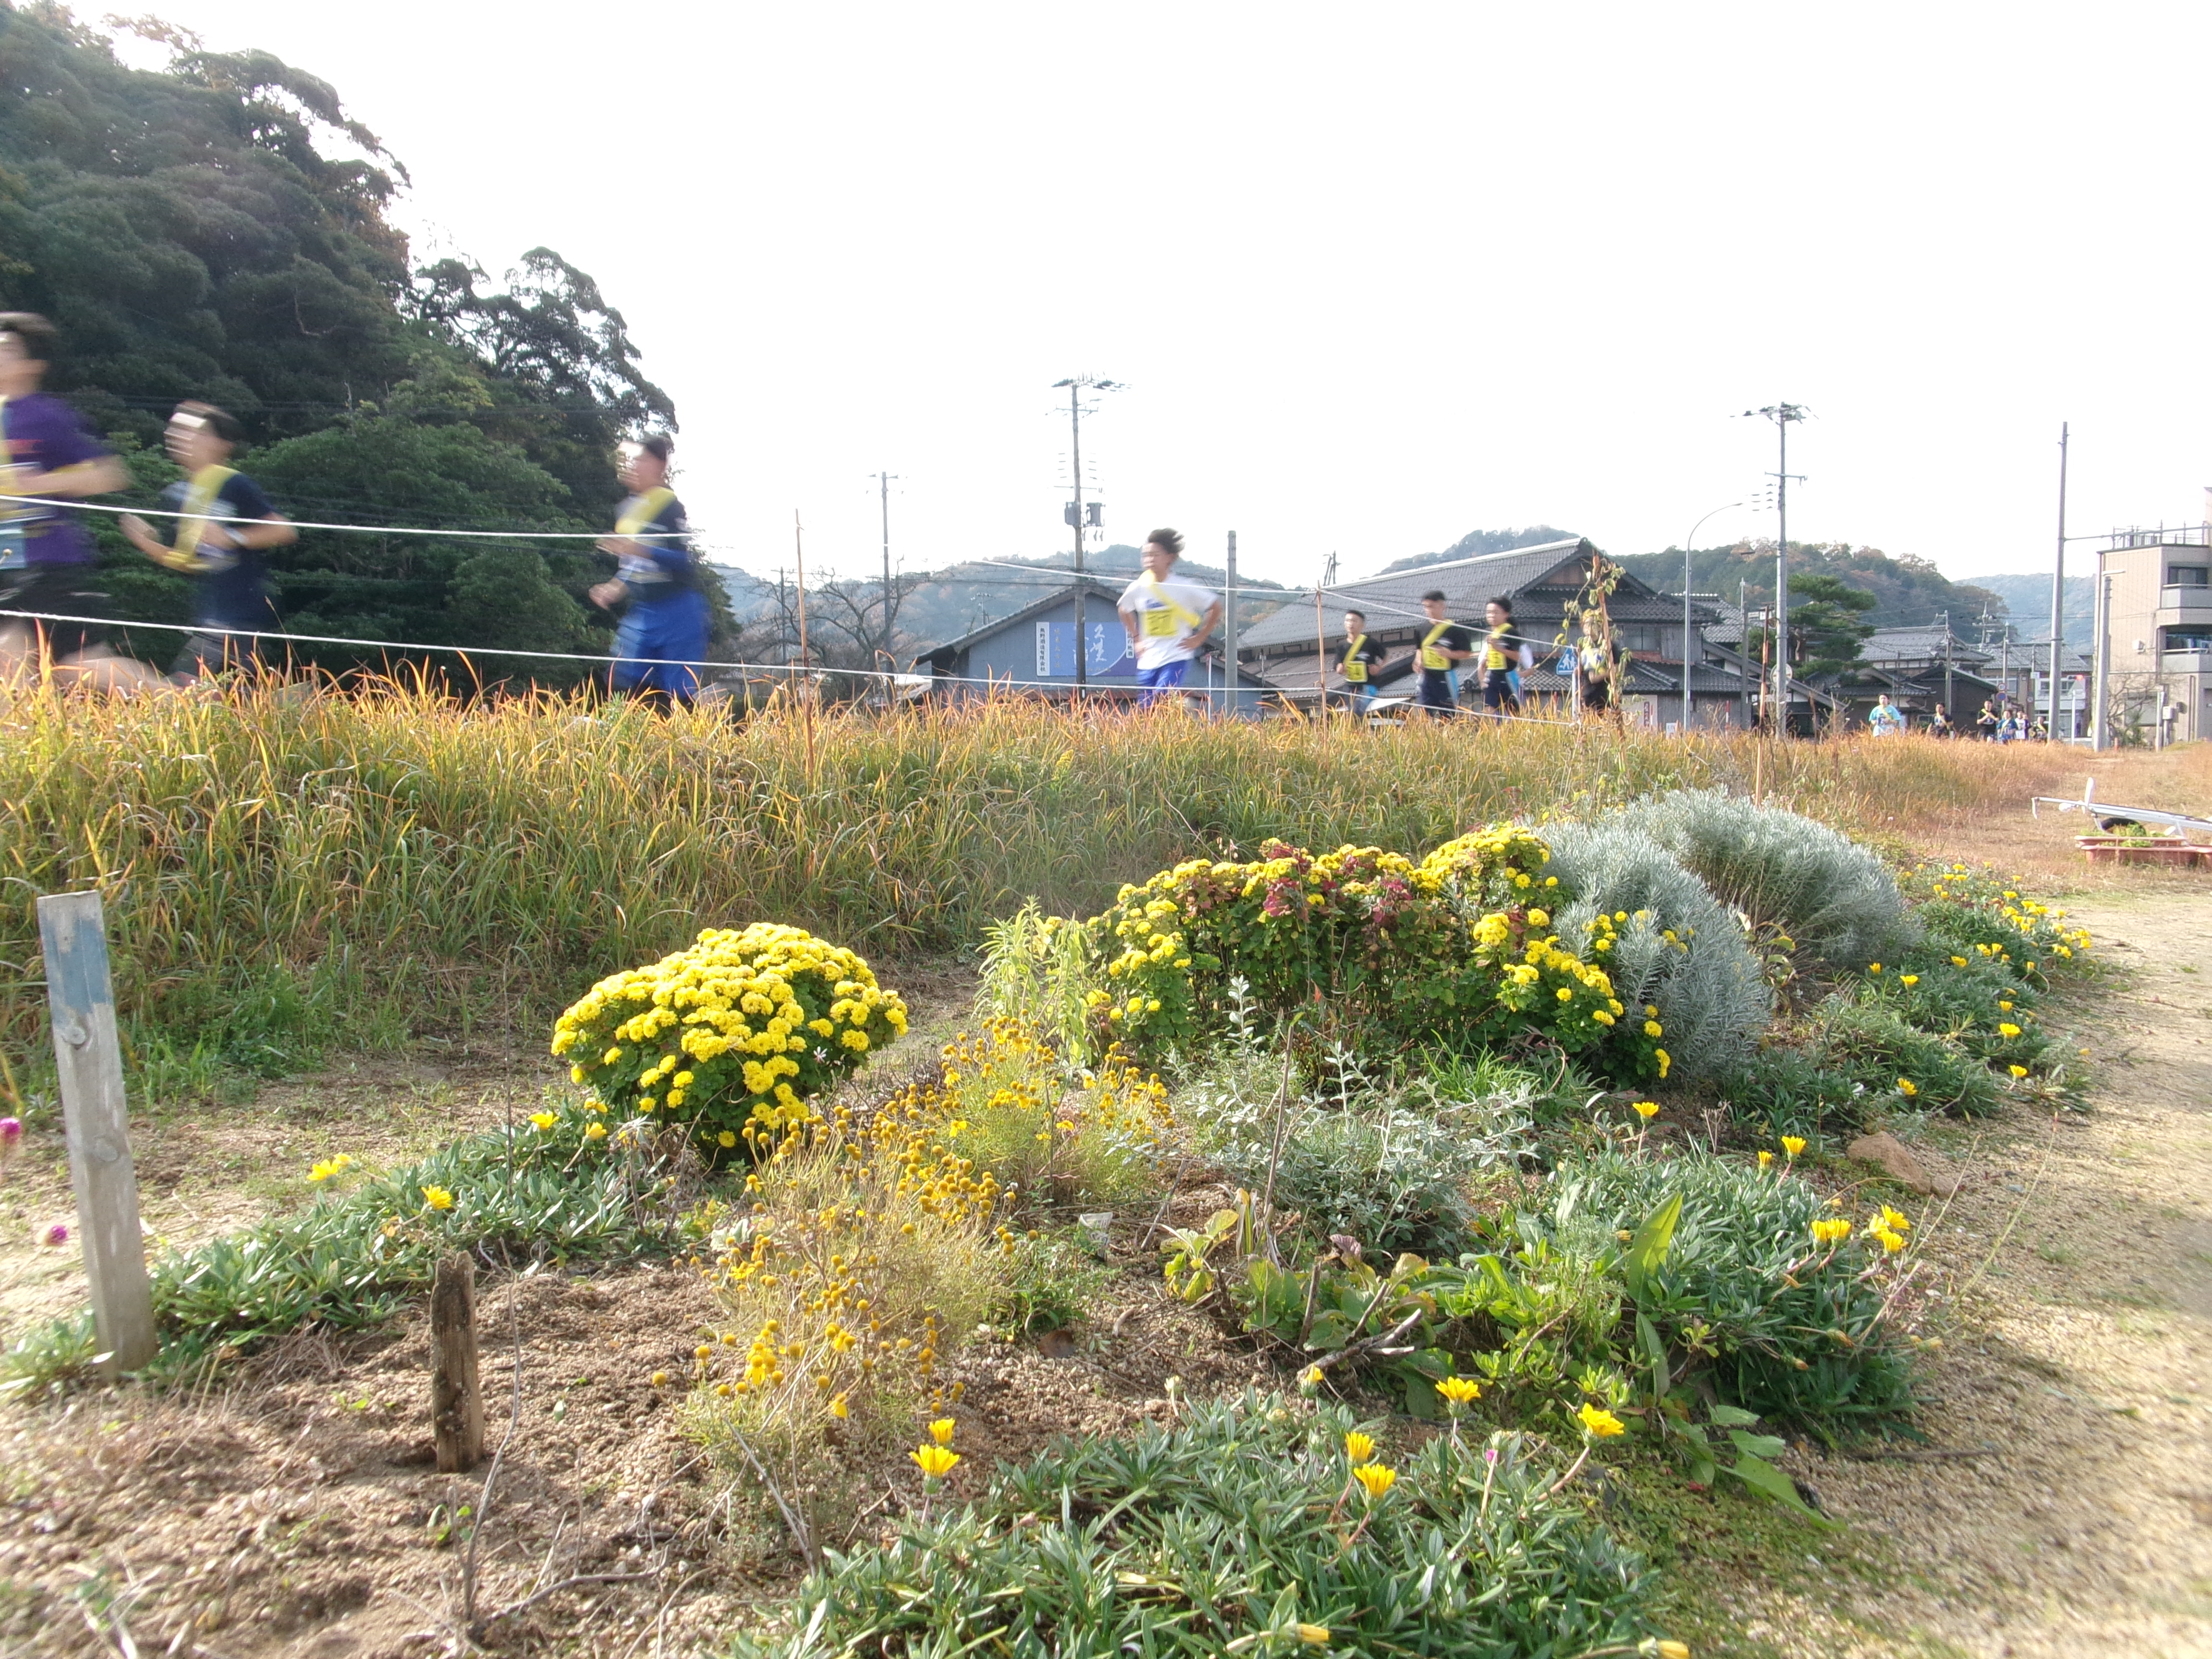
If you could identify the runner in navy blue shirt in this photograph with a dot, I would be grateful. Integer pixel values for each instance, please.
(1442, 644)
(46, 559)
(230, 593)
(663, 633)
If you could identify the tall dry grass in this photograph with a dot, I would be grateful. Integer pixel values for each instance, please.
(280, 874)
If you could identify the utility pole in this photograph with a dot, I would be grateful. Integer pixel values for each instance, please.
(1689, 542)
(2058, 589)
(1076, 385)
(1229, 626)
(883, 481)
(1782, 415)
(2100, 680)
(1950, 705)
(1743, 652)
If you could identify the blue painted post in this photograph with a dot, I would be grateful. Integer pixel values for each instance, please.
(81, 997)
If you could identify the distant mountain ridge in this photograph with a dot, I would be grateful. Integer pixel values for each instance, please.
(1476, 542)
(940, 605)
(2027, 600)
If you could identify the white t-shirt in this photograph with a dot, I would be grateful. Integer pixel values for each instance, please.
(1163, 635)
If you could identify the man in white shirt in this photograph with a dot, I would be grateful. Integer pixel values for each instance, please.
(1167, 620)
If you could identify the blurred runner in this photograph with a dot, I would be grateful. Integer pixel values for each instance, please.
(1361, 657)
(663, 634)
(1167, 620)
(47, 559)
(1444, 643)
(230, 589)
(1505, 656)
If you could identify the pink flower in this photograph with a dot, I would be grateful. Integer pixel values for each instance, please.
(54, 1233)
(11, 1136)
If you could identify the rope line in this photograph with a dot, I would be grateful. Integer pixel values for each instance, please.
(987, 682)
(357, 529)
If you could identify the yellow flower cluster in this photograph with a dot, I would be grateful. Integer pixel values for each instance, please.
(744, 1025)
(1460, 940)
(874, 1236)
(1887, 1227)
(839, 1269)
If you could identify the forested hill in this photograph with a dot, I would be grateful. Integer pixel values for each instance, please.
(1476, 542)
(218, 230)
(1907, 590)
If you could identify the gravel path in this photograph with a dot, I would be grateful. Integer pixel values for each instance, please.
(2081, 1354)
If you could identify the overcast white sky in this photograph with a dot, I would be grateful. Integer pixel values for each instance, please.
(1374, 275)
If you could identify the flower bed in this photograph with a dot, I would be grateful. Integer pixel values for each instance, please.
(1456, 950)
(734, 1035)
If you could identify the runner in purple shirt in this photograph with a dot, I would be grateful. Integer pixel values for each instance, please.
(47, 558)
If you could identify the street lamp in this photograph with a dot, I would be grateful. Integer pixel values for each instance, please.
(1689, 542)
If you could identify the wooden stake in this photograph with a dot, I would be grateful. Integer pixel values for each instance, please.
(81, 997)
(456, 1397)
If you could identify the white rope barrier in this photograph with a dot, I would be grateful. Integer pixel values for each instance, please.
(989, 683)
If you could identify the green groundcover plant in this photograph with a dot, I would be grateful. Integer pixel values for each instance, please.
(562, 1187)
(1785, 1302)
(1782, 870)
(1672, 944)
(1242, 1531)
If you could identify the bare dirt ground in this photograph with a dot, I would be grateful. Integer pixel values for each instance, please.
(2062, 1504)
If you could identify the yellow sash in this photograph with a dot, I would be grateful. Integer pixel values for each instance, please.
(643, 510)
(1496, 660)
(1168, 618)
(207, 484)
(1430, 657)
(1355, 667)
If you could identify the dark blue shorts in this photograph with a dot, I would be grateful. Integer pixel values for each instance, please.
(658, 641)
(1158, 682)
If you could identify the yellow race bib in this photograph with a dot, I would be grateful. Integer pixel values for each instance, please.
(1159, 623)
(1432, 657)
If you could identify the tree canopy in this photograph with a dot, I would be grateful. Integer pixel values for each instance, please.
(217, 229)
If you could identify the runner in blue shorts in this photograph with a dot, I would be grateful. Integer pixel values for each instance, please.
(663, 633)
(1167, 620)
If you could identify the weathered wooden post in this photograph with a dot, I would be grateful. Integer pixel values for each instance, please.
(456, 1400)
(81, 997)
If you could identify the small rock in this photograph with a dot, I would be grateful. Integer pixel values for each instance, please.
(1899, 1160)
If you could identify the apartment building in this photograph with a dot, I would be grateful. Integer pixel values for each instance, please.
(2157, 626)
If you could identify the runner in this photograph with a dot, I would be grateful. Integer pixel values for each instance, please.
(1167, 620)
(663, 632)
(1505, 656)
(1444, 643)
(1882, 718)
(230, 591)
(47, 558)
(1986, 723)
(1361, 657)
(1940, 725)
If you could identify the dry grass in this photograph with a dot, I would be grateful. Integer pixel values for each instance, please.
(283, 873)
